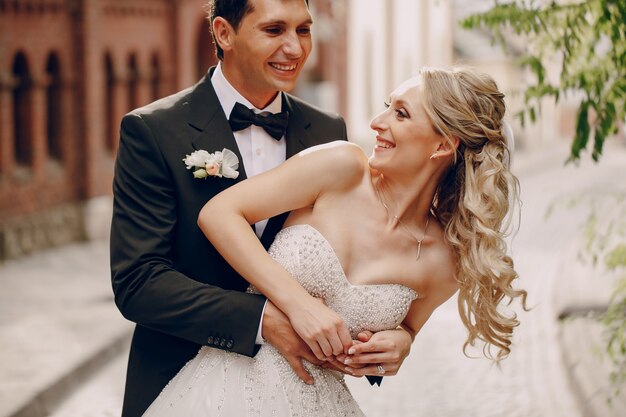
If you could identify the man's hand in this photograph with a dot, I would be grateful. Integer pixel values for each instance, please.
(277, 331)
(388, 348)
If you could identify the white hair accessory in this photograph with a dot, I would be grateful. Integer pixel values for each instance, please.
(509, 139)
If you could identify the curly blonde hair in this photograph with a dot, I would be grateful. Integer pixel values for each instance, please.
(473, 199)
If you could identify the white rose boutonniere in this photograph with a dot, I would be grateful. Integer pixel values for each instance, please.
(216, 164)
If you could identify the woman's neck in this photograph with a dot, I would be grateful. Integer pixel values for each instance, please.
(407, 202)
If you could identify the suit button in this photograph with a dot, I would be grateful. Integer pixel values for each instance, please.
(229, 344)
(210, 340)
(222, 343)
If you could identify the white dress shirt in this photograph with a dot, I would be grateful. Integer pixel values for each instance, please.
(260, 152)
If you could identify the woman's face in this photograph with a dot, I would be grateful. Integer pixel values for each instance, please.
(405, 137)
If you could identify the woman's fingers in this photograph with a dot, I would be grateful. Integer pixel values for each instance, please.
(322, 329)
(336, 338)
(368, 347)
(316, 349)
(387, 348)
(325, 346)
(368, 359)
(373, 370)
(336, 345)
(346, 339)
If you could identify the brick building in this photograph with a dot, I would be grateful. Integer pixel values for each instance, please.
(69, 70)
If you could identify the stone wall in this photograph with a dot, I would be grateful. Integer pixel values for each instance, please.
(51, 227)
(69, 71)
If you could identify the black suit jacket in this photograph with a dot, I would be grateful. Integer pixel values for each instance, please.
(166, 275)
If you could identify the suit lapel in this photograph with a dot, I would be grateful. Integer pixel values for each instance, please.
(298, 137)
(207, 118)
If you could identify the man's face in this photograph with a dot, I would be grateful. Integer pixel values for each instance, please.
(269, 49)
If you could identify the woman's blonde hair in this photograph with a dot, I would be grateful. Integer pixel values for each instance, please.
(473, 199)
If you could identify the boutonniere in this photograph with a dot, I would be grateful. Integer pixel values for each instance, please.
(216, 164)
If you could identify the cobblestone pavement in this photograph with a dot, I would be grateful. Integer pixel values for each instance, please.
(438, 380)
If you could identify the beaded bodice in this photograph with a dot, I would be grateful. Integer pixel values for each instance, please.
(308, 257)
(221, 383)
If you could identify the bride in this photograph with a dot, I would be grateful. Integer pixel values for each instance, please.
(370, 244)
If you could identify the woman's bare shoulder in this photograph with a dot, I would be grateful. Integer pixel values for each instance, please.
(336, 150)
(344, 161)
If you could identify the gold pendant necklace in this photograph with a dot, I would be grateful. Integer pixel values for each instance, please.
(401, 223)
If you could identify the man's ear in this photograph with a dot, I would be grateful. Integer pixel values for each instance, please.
(223, 33)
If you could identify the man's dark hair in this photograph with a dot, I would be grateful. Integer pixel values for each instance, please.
(233, 11)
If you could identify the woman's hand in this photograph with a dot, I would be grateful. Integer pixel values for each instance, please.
(387, 348)
(320, 327)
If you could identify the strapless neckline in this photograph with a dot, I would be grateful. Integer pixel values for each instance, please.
(338, 262)
(217, 382)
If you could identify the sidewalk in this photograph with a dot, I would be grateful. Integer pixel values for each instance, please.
(58, 324)
(60, 328)
(581, 293)
(577, 291)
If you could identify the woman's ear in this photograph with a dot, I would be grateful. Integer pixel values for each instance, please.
(446, 148)
(223, 32)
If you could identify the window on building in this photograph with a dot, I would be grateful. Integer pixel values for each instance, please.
(22, 111)
(54, 108)
(109, 86)
(133, 82)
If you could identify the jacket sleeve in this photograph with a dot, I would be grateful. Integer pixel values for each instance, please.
(148, 289)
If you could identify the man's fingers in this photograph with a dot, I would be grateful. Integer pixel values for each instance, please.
(298, 368)
(365, 336)
(334, 364)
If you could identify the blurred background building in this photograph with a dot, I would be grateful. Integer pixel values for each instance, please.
(70, 69)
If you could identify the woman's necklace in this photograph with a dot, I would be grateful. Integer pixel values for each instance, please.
(401, 223)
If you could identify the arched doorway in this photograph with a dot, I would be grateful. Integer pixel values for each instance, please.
(22, 111)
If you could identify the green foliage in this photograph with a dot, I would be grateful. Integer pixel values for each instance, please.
(604, 233)
(616, 258)
(606, 239)
(590, 39)
(615, 324)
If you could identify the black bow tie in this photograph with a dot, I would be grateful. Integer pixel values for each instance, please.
(274, 124)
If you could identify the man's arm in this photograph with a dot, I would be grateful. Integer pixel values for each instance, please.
(148, 289)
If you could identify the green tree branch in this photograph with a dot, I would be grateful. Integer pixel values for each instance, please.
(590, 38)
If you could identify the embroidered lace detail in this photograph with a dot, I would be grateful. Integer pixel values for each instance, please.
(221, 383)
(307, 255)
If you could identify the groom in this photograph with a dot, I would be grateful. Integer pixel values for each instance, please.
(166, 276)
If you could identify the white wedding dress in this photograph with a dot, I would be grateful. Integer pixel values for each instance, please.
(220, 383)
